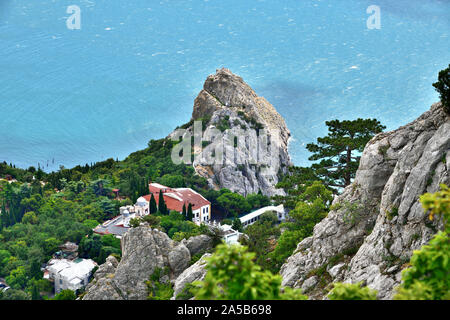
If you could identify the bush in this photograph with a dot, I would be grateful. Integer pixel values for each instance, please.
(158, 290)
(428, 277)
(152, 220)
(349, 291)
(232, 275)
(65, 295)
(135, 222)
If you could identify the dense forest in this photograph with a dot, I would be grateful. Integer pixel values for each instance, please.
(40, 211)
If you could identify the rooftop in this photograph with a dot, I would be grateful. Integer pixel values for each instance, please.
(175, 198)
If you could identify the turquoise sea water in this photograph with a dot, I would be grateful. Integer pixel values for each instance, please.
(133, 70)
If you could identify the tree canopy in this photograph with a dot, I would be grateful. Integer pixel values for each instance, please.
(338, 152)
(443, 87)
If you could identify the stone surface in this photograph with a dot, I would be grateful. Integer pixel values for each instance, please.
(233, 109)
(196, 272)
(143, 250)
(377, 221)
(198, 244)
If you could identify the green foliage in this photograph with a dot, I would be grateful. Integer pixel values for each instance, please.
(338, 150)
(294, 184)
(65, 295)
(234, 204)
(286, 245)
(30, 217)
(158, 290)
(14, 295)
(313, 205)
(443, 87)
(177, 227)
(91, 223)
(348, 291)
(189, 214)
(98, 248)
(153, 220)
(36, 219)
(231, 205)
(260, 239)
(135, 222)
(223, 124)
(232, 275)
(392, 213)
(17, 279)
(428, 278)
(353, 212)
(186, 293)
(237, 225)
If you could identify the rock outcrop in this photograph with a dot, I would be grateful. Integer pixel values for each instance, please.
(196, 272)
(242, 141)
(143, 251)
(377, 222)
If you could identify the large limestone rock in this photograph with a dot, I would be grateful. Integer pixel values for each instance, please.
(198, 244)
(196, 272)
(378, 221)
(143, 250)
(252, 162)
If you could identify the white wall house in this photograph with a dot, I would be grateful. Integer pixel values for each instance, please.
(67, 274)
(230, 236)
(202, 214)
(254, 216)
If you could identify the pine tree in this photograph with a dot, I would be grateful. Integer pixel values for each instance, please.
(184, 213)
(4, 216)
(190, 215)
(443, 87)
(153, 206)
(162, 205)
(337, 150)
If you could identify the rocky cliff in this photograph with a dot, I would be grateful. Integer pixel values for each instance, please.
(377, 222)
(143, 251)
(245, 140)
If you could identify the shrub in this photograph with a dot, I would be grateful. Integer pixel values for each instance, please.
(429, 274)
(158, 290)
(232, 275)
(348, 291)
(65, 295)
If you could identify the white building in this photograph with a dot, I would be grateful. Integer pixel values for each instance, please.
(254, 216)
(67, 274)
(230, 236)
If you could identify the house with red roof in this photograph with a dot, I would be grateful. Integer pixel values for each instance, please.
(175, 198)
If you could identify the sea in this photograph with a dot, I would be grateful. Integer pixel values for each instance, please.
(86, 80)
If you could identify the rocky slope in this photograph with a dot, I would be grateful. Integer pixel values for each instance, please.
(245, 144)
(143, 250)
(377, 221)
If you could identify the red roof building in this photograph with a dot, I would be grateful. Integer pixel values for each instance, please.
(176, 197)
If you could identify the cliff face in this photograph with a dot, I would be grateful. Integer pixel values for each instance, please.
(246, 140)
(143, 251)
(378, 221)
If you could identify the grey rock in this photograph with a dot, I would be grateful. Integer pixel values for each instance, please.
(143, 250)
(310, 283)
(179, 259)
(196, 272)
(334, 271)
(252, 165)
(198, 244)
(389, 223)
